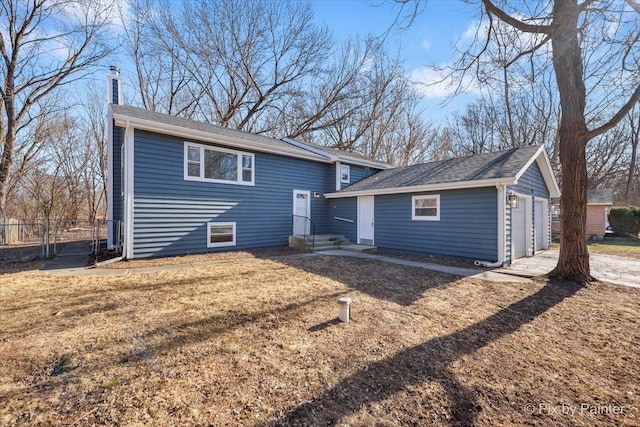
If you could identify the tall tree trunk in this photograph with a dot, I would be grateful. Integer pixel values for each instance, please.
(9, 137)
(635, 138)
(573, 263)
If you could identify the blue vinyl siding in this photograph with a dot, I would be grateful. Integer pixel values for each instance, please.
(467, 226)
(357, 173)
(346, 209)
(530, 183)
(170, 214)
(118, 201)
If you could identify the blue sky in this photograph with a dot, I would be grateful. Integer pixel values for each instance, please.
(429, 40)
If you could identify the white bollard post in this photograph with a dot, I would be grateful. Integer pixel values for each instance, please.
(344, 312)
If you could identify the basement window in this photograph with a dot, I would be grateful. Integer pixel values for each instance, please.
(220, 234)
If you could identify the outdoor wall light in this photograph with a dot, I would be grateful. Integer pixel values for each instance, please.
(316, 195)
(513, 200)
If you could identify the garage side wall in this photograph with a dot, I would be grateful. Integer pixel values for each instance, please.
(467, 226)
(531, 183)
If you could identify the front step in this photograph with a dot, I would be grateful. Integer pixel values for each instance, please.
(359, 248)
(322, 242)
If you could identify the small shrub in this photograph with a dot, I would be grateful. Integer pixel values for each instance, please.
(625, 220)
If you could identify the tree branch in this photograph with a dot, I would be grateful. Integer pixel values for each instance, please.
(618, 116)
(516, 23)
(634, 5)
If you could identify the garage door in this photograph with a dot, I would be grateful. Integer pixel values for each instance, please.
(540, 222)
(519, 229)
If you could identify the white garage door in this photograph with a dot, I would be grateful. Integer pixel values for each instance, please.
(519, 229)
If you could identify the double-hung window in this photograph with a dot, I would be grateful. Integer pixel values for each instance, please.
(206, 163)
(425, 208)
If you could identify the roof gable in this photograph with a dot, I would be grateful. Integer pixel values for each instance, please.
(487, 169)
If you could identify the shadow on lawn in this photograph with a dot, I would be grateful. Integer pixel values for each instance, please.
(426, 362)
(396, 283)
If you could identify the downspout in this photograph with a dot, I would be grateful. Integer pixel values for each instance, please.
(501, 240)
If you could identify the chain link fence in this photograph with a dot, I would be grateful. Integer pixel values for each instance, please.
(23, 241)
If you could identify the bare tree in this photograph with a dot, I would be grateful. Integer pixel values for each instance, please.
(631, 185)
(44, 44)
(591, 43)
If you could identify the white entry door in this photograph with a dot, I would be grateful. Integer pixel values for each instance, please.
(365, 220)
(519, 229)
(301, 212)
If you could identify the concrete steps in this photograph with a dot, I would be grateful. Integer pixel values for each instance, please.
(327, 242)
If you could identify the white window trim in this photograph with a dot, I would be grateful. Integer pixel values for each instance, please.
(348, 180)
(201, 178)
(221, 244)
(425, 218)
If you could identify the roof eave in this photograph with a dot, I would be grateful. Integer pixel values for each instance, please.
(421, 188)
(182, 132)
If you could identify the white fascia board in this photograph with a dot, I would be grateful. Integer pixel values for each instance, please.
(357, 162)
(599, 204)
(545, 167)
(420, 188)
(308, 148)
(152, 126)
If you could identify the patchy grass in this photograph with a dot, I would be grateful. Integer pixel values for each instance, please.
(257, 344)
(619, 246)
(206, 257)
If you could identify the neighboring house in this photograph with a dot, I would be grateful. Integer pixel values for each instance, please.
(599, 201)
(179, 186)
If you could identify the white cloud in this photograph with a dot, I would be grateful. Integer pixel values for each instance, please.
(434, 83)
(475, 29)
(426, 44)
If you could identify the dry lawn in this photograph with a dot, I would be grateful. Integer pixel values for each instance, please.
(256, 343)
(619, 246)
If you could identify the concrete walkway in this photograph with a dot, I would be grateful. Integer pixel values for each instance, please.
(72, 256)
(609, 268)
(65, 266)
(458, 271)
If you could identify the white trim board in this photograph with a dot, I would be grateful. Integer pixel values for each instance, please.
(545, 168)
(421, 188)
(127, 251)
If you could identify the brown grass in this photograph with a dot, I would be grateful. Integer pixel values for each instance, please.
(256, 343)
(618, 246)
(206, 257)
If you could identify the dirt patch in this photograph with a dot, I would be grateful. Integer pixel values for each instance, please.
(213, 256)
(257, 344)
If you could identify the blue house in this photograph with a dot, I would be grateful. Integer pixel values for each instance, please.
(179, 186)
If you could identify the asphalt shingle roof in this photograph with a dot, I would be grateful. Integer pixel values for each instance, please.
(142, 114)
(600, 196)
(496, 165)
(345, 154)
